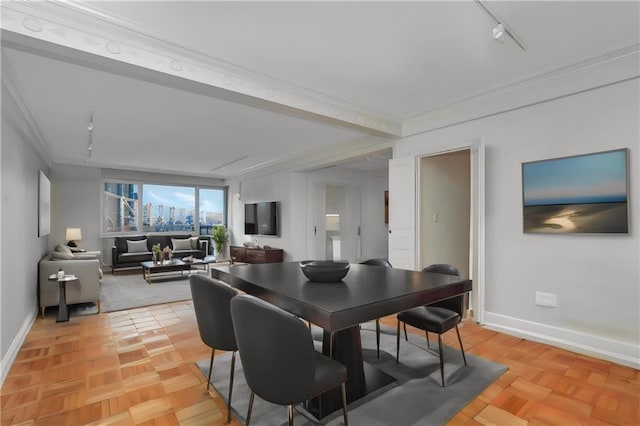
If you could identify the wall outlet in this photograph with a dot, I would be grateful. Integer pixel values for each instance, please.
(546, 299)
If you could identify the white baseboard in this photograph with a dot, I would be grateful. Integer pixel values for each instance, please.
(583, 343)
(16, 344)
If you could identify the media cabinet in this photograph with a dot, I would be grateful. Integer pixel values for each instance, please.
(255, 255)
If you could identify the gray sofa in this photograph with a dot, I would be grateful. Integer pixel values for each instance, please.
(128, 251)
(85, 290)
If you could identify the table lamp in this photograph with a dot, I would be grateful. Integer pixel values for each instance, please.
(72, 235)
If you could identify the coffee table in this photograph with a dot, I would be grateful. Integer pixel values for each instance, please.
(150, 267)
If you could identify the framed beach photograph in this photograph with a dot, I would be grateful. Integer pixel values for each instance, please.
(579, 194)
(44, 205)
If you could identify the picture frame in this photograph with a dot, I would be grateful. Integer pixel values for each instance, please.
(585, 194)
(44, 205)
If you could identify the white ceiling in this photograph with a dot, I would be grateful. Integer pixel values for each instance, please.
(250, 85)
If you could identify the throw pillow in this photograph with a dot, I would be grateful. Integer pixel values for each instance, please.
(61, 255)
(194, 243)
(137, 246)
(184, 244)
(62, 249)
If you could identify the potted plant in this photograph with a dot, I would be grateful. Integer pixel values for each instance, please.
(157, 251)
(220, 237)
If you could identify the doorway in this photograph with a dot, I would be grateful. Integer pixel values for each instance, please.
(337, 223)
(444, 209)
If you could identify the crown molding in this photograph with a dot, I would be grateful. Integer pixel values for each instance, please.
(80, 27)
(603, 68)
(35, 136)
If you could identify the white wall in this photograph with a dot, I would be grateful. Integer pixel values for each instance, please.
(21, 246)
(596, 277)
(292, 192)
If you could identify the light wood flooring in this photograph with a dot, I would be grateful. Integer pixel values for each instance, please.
(137, 367)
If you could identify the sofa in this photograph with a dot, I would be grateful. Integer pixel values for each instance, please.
(86, 266)
(129, 251)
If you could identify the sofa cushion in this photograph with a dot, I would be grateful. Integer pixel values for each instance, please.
(184, 253)
(194, 243)
(62, 249)
(134, 257)
(61, 255)
(137, 246)
(121, 242)
(181, 244)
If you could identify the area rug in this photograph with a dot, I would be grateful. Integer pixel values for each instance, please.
(130, 290)
(415, 398)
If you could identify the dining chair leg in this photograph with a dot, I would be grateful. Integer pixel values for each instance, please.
(233, 367)
(398, 342)
(405, 331)
(250, 408)
(290, 414)
(344, 403)
(441, 358)
(426, 333)
(461, 347)
(213, 352)
(378, 337)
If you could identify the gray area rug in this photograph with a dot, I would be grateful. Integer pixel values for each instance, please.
(415, 398)
(130, 290)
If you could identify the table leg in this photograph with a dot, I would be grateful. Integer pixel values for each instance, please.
(63, 311)
(345, 346)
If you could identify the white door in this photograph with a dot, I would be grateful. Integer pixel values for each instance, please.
(402, 213)
(336, 223)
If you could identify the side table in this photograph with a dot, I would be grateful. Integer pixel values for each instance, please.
(63, 311)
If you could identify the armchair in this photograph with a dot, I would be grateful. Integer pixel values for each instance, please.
(86, 268)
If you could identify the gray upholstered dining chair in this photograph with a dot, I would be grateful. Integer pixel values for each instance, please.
(438, 317)
(386, 264)
(278, 358)
(211, 302)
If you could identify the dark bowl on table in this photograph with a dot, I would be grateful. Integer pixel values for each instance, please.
(325, 271)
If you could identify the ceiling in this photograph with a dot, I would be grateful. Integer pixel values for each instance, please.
(223, 89)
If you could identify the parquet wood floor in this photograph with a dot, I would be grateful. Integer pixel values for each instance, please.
(136, 367)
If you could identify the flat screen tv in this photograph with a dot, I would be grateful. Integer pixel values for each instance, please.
(580, 194)
(261, 218)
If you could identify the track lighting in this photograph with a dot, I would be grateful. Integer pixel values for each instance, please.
(90, 129)
(501, 30)
(498, 32)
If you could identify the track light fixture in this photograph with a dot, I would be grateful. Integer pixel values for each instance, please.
(90, 129)
(498, 32)
(501, 29)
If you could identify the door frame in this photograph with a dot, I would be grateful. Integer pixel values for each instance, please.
(477, 219)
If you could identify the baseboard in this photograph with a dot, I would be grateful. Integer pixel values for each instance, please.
(582, 343)
(16, 344)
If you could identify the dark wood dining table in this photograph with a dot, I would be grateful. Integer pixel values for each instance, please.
(366, 293)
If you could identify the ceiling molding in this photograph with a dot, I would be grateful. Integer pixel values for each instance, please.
(35, 136)
(319, 159)
(79, 27)
(602, 68)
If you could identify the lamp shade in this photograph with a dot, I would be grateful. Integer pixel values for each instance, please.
(74, 234)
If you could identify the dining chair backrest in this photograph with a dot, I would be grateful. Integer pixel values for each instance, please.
(211, 302)
(456, 303)
(377, 262)
(276, 350)
(442, 268)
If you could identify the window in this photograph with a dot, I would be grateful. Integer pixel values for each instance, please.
(168, 208)
(212, 209)
(145, 207)
(120, 203)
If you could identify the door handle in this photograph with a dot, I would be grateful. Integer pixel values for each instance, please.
(389, 230)
(315, 231)
(358, 230)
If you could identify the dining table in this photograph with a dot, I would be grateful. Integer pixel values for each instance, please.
(366, 293)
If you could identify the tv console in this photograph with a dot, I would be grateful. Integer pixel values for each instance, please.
(255, 255)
